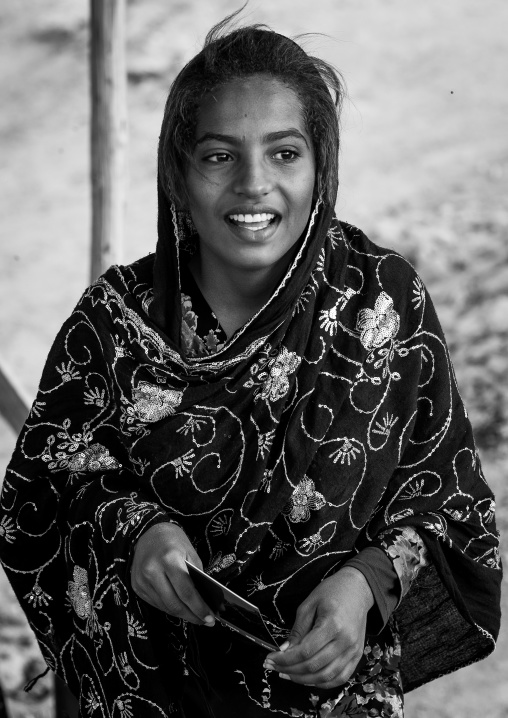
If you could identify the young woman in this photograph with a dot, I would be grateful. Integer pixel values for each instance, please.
(269, 397)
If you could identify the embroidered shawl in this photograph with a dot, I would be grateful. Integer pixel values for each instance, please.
(332, 416)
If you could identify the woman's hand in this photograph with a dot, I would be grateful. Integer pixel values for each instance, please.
(328, 635)
(159, 575)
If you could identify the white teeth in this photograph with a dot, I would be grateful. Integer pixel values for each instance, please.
(249, 218)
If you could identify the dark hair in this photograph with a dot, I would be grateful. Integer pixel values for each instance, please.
(230, 54)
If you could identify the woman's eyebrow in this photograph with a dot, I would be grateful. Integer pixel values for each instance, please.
(270, 137)
(285, 134)
(218, 138)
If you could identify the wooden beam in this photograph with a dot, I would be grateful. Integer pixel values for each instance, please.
(14, 403)
(108, 131)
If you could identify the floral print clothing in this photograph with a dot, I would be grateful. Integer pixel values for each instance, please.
(408, 553)
(375, 688)
(328, 420)
(202, 335)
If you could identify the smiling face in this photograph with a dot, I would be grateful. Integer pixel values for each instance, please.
(250, 184)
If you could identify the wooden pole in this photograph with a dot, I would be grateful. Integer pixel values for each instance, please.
(14, 403)
(108, 131)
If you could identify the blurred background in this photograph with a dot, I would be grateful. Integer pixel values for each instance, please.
(424, 170)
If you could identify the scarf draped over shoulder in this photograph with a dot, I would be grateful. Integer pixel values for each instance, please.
(330, 418)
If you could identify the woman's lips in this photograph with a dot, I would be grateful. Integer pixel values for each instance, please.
(252, 222)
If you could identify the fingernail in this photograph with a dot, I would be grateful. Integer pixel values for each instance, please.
(269, 665)
(209, 620)
(284, 676)
(284, 646)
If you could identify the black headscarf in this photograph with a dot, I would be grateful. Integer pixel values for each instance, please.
(332, 416)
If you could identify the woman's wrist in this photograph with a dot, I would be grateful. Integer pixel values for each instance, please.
(364, 592)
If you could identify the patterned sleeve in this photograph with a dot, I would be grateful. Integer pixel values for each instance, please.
(408, 554)
(390, 565)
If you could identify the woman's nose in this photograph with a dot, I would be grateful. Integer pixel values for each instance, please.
(253, 179)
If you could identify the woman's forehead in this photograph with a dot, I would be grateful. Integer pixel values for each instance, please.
(257, 103)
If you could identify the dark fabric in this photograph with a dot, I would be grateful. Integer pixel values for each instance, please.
(213, 687)
(332, 416)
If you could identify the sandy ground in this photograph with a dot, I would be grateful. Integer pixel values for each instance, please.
(424, 163)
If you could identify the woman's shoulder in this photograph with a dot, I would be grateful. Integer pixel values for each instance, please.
(131, 275)
(376, 264)
(129, 284)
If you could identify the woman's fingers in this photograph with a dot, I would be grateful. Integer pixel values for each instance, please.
(307, 649)
(164, 590)
(189, 597)
(303, 622)
(334, 674)
(160, 577)
(325, 657)
(186, 603)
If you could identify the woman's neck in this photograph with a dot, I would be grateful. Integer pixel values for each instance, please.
(234, 294)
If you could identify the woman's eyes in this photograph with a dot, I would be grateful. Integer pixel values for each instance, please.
(218, 157)
(286, 155)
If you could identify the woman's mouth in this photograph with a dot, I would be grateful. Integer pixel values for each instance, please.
(252, 222)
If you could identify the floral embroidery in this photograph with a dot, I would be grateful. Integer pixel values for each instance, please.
(273, 380)
(68, 372)
(385, 426)
(279, 549)
(494, 558)
(135, 511)
(219, 562)
(266, 481)
(94, 458)
(277, 384)
(79, 593)
(153, 403)
(125, 707)
(135, 629)
(312, 543)
(346, 452)
(125, 666)
(183, 464)
(303, 499)
(408, 553)
(7, 529)
(121, 350)
(419, 292)
(255, 584)
(191, 425)
(37, 597)
(95, 396)
(213, 431)
(220, 524)
(488, 516)
(438, 528)
(378, 325)
(328, 320)
(264, 443)
(38, 408)
(92, 702)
